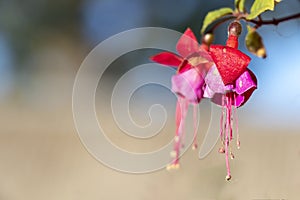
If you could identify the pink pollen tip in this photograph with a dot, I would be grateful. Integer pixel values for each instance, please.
(221, 150)
(195, 146)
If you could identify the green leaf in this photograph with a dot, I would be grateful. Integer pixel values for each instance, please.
(240, 5)
(260, 6)
(214, 15)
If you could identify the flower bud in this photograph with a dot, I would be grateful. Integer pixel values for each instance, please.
(208, 39)
(235, 28)
(255, 44)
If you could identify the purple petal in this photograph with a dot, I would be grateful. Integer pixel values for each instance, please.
(217, 99)
(244, 83)
(239, 100)
(188, 85)
(245, 86)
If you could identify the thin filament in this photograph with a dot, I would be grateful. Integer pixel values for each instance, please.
(181, 110)
(236, 124)
(227, 138)
(195, 119)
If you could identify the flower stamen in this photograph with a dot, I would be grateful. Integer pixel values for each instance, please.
(227, 139)
(195, 119)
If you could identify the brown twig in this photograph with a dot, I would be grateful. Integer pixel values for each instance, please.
(274, 21)
(258, 23)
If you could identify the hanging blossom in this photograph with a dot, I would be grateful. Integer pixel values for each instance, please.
(192, 64)
(219, 73)
(229, 84)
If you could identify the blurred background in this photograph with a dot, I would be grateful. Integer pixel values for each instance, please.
(42, 45)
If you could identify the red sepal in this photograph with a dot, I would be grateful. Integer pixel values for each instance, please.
(167, 58)
(187, 44)
(231, 63)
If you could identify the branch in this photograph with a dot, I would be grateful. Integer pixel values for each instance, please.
(258, 23)
(274, 21)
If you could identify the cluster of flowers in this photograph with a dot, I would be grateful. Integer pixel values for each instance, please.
(216, 72)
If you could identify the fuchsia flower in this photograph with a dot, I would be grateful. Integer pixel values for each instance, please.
(188, 83)
(220, 74)
(230, 84)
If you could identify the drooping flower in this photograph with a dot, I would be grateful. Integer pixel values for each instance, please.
(219, 73)
(230, 84)
(230, 97)
(192, 64)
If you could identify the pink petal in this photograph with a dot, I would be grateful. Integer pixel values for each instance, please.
(187, 44)
(208, 93)
(188, 85)
(215, 87)
(214, 81)
(167, 58)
